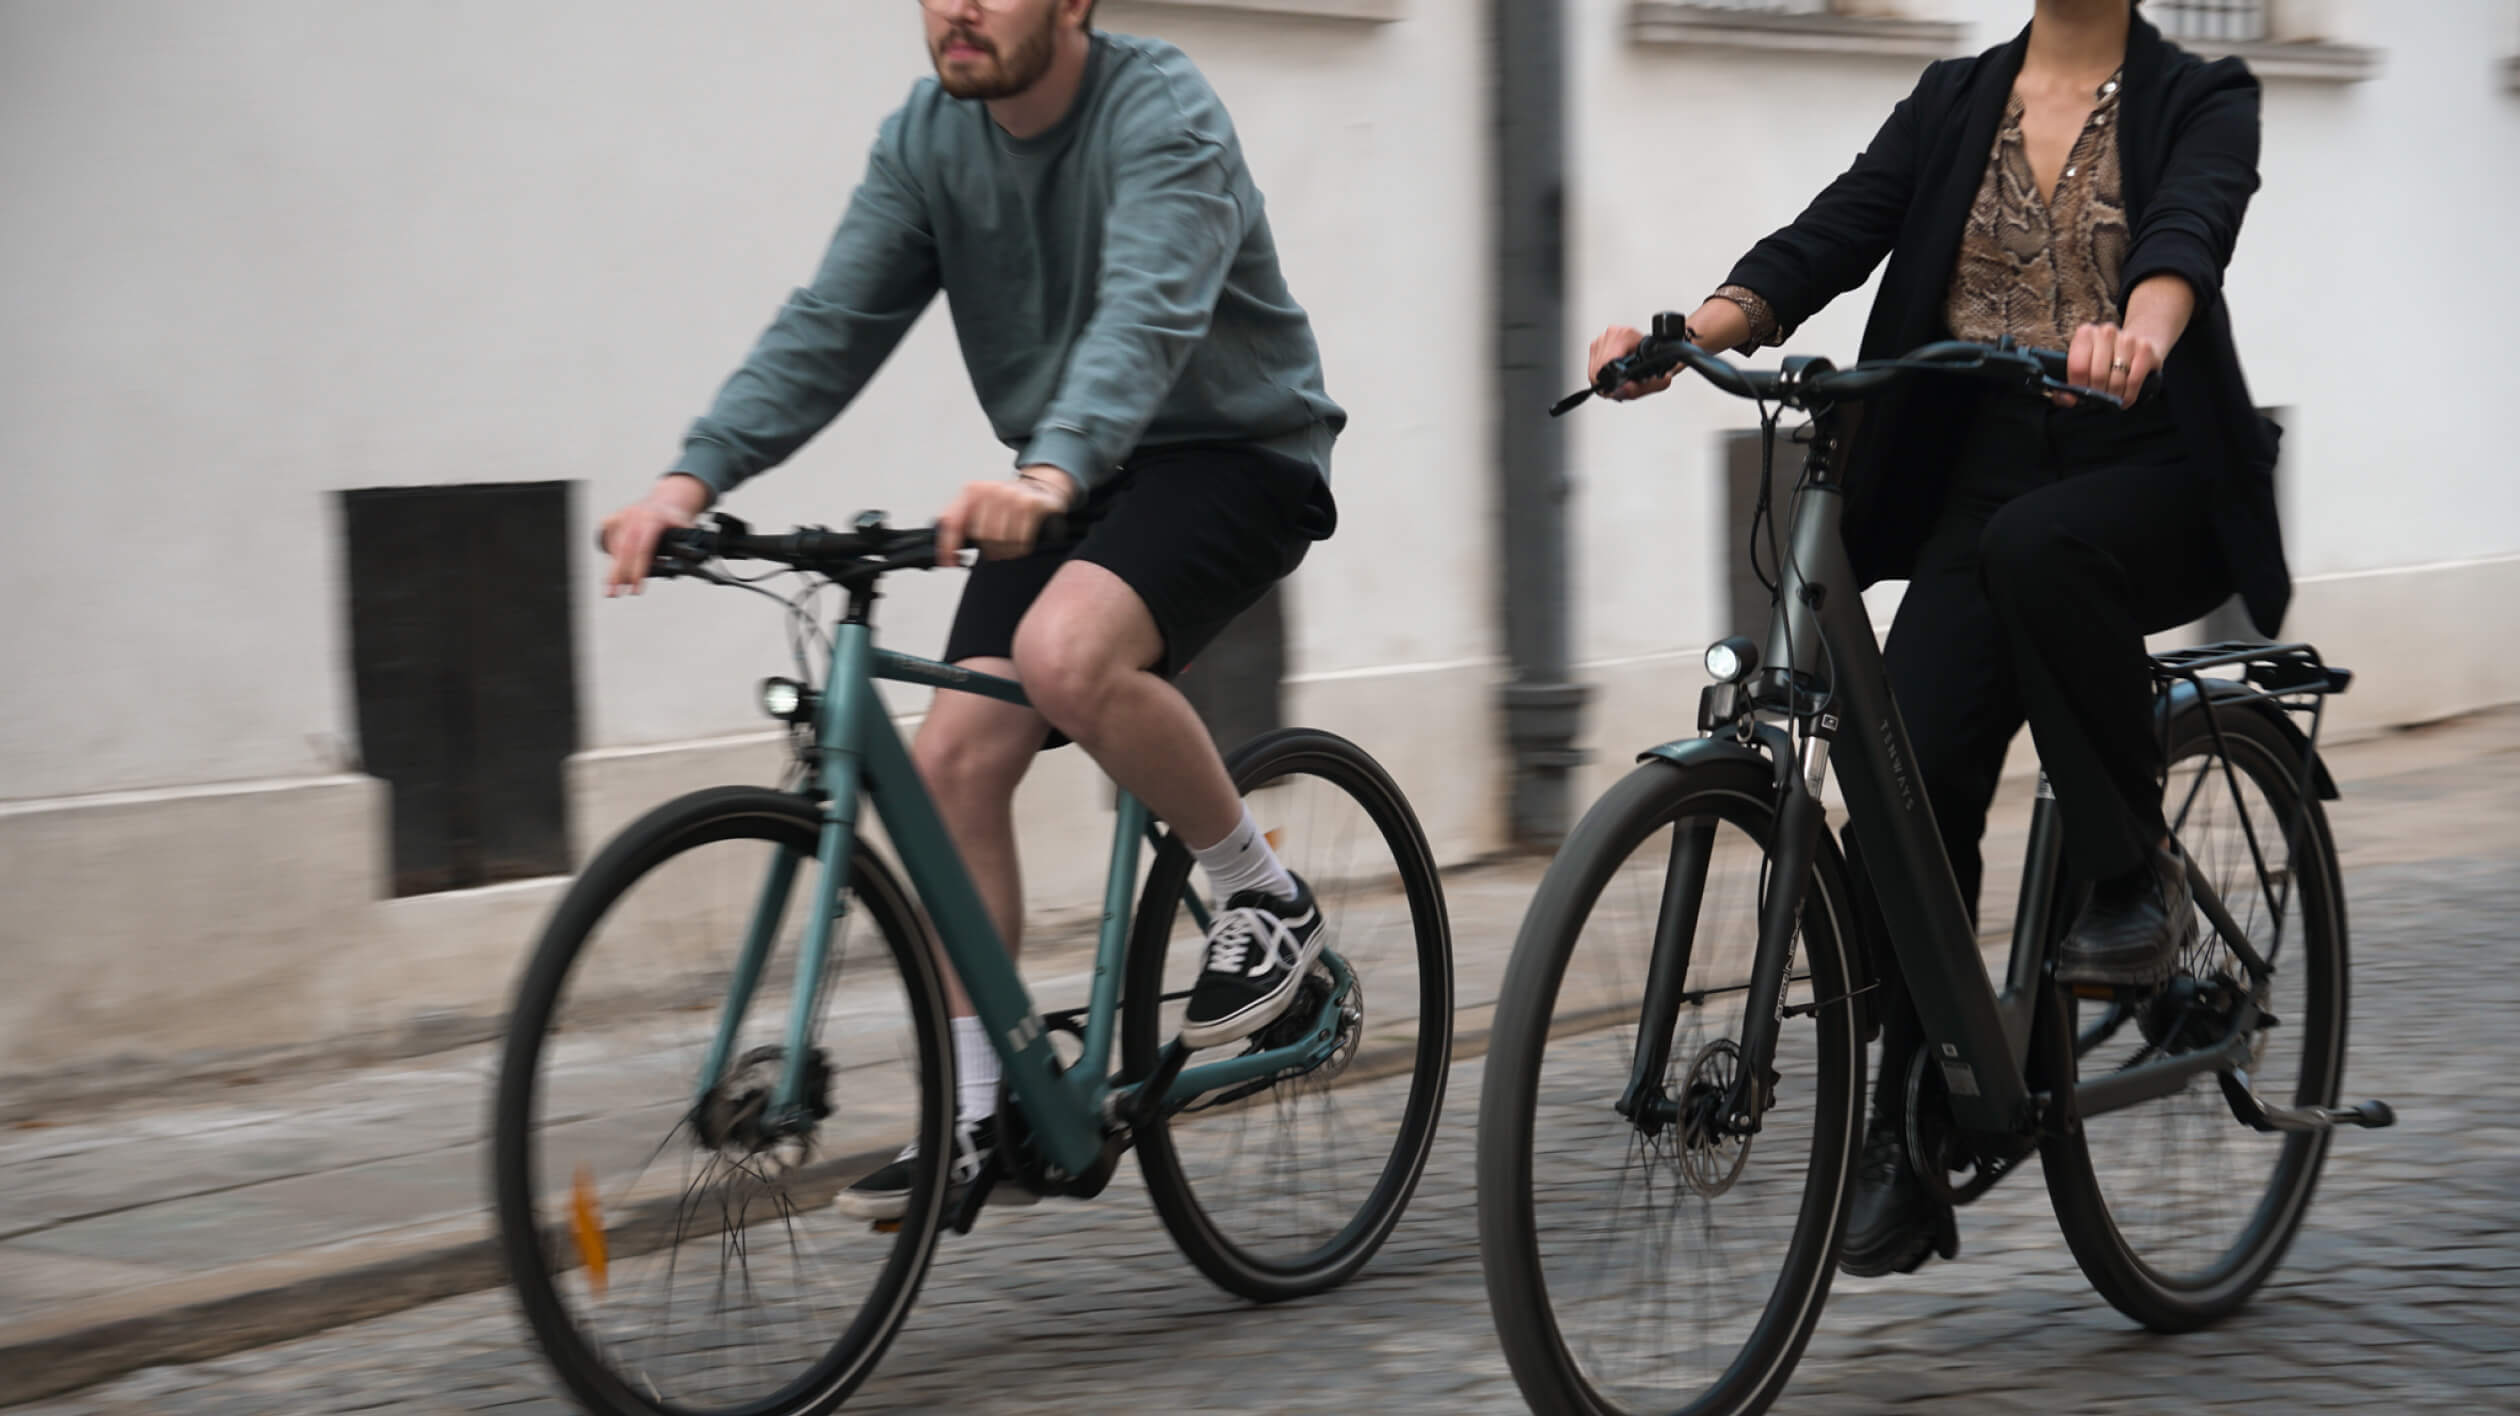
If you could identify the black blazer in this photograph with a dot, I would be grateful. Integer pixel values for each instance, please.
(2188, 146)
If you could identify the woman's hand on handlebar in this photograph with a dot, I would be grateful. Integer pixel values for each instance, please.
(1617, 342)
(2112, 359)
(631, 533)
(1003, 518)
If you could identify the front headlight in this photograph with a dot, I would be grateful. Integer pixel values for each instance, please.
(1731, 660)
(786, 699)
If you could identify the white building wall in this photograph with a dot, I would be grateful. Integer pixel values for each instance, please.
(265, 250)
(261, 251)
(2368, 294)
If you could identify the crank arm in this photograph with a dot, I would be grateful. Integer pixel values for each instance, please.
(2253, 1110)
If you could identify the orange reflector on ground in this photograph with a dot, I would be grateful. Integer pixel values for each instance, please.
(586, 1222)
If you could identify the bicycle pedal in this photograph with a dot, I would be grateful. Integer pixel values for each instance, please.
(967, 1205)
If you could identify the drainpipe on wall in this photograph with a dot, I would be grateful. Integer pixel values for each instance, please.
(1543, 708)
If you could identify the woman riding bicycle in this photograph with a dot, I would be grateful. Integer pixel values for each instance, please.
(2081, 188)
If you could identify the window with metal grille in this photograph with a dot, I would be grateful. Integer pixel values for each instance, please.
(2234, 20)
(465, 672)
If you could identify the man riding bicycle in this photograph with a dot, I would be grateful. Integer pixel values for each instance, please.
(2079, 188)
(1083, 202)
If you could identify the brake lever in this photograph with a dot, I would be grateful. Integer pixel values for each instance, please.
(1618, 371)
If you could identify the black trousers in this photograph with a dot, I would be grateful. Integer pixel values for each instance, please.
(2068, 536)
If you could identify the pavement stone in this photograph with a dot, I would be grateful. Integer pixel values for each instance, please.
(2400, 1291)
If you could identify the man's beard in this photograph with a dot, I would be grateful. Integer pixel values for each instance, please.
(1007, 74)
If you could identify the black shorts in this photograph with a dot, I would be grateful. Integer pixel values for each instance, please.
(1199, 531)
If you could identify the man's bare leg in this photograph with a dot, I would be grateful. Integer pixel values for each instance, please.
(1085, 653)
(971, 753)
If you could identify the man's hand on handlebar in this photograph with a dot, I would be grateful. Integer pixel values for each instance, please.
(1003, 518)
(631, 533)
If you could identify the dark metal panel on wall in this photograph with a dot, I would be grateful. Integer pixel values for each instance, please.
(1238, 683)
(1747, 603)
(464, 671)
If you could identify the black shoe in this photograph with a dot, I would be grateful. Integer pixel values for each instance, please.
(1258, 948)
(2134, 929)
(1893, 1225)
(885, 1194)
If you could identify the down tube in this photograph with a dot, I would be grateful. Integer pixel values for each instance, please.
(1902, 850)
(971, 941)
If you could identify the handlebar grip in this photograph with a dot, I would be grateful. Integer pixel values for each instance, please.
(2053, 363)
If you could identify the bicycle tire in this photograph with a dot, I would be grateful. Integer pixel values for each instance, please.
(2145, 1286)
(531, 1242)
(1552, 1375)
(1242, 1263)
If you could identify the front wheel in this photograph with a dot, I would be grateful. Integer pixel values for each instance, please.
(1667, 1258)
(2175, 1209)
(1286, 1186)
(673, 1246)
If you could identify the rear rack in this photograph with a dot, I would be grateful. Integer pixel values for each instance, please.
(2275, 669)
(2293, 679)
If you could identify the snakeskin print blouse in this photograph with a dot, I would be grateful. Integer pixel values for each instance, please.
(2031, 268)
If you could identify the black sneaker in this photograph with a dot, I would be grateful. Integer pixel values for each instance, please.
(1258, 948)
(1892, 1225)
(2134, 929)
(885, 1194)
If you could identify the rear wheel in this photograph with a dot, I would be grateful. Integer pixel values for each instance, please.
(674, 1250)
(1637, 1267)
(2175, 1209)
(1286, 1186)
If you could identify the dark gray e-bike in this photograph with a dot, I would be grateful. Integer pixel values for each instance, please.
(1674, 1095)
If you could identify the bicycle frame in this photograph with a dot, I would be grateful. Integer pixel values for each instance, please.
(856, 750)
(1979, 1037)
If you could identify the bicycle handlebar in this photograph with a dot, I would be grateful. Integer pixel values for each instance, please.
(869, 548)
(1810, 383)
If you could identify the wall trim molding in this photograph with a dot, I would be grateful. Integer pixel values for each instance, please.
(2309, 60)
(1668, 22)
(1376, 12)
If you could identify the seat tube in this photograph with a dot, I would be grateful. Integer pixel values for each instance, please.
(2034, 919)
(848, 695)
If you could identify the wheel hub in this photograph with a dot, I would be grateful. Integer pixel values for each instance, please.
(737, 1118)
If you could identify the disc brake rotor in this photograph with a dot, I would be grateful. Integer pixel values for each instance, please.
(1709, 1150)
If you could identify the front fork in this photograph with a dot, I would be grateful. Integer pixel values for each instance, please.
(1792, 848)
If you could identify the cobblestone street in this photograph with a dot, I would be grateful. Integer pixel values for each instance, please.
(2402, 1292)
(2404, 1288)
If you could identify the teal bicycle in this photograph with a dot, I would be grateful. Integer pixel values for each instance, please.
(739, 1007)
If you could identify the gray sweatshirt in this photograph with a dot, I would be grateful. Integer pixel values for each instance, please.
(1112, 281)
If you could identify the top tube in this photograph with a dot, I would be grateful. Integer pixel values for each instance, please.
(909, 668)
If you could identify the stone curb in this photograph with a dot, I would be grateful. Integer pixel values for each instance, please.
(292, 1295)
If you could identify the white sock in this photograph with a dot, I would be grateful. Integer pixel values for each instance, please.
(976, 1063)
(1243, 861)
